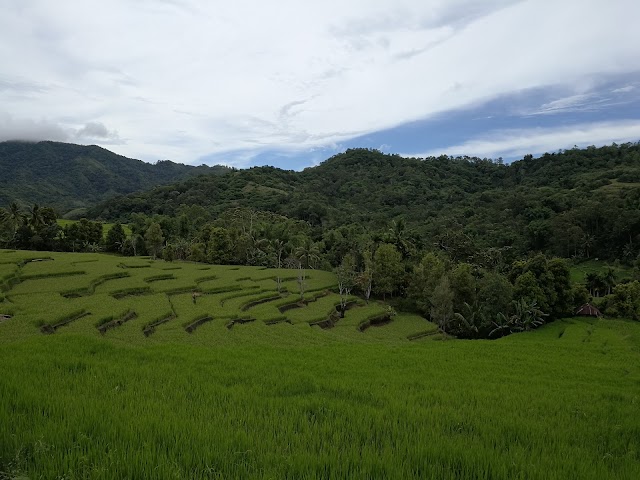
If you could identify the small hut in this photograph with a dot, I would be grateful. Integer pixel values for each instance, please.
(588, 310)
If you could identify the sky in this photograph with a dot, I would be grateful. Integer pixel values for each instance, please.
(291, 83)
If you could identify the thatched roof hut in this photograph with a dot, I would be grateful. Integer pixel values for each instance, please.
(588, 310)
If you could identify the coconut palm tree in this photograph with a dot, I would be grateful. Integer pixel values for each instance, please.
(35, 217)
(6, 234)
(11, 220)
(609, 279)
(308, 253)
(16, 218)
(587, 244)
(399, 236)
(628, 252)
(276, 249)
(592, 281)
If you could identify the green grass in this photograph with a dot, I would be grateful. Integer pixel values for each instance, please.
(105, 226)
(580, 270)
(290, 400)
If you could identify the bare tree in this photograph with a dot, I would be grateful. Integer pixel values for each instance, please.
(302, 276)
(365, 277)
(346, 280)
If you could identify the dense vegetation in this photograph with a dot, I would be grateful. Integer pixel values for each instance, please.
(273, 324)
(576, 203)
(478, 250)
(98, 398)
(68, 177)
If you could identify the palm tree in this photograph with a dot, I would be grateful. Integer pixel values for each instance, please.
(308, 253)
(628, 252)
(15, 216)
(587, 244)
(276, 248)
(5, 234)
(36, 220)
(592, 282)
(609, 279)
(11, 220)
(398, 235)
(259, 251)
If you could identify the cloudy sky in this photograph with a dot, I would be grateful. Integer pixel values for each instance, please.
(290, 83)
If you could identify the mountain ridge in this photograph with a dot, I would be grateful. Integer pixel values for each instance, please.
(555, 202)
(67, 176)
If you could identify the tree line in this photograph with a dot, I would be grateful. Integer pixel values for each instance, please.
(470, 292)
(577, 203)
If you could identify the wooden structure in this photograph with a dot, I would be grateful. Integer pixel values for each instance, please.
(588, 310)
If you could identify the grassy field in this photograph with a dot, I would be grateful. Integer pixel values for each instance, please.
(281, 397)
(580, 270)
(105, 226)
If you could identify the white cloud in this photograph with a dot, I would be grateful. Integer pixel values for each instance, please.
(625, 89)
(98, 131)
(30, 130)
(249, 75)
(46, 129)
(519, 142)
(573, 102)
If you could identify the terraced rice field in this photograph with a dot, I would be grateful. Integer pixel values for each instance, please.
(134, 298)
(110, 368)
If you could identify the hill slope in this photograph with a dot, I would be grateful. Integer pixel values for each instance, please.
(68, 176)
(164, 385)
(556, 202)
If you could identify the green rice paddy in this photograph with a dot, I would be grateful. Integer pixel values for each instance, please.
(111, 367)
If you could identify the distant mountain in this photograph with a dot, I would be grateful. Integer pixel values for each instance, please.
(68, 177)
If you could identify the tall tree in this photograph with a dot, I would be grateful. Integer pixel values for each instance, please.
(388, 268)
(346, 274)
(495, 294)
(153, 239)
(463, 285)
(275, 252)
(35, 217)
(364, 279)
(14, 219)
(609, 279)
(308, 253)
(115, 238)
(442, 304)
(218, 245)
(426, 276)
(6, 232)
(527, 288)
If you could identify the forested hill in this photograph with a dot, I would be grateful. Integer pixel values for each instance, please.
(575, 201)
(68, 176)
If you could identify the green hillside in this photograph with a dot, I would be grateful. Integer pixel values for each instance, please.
(83, 293)
(110, 368)
(580, 202)
(68, 176)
